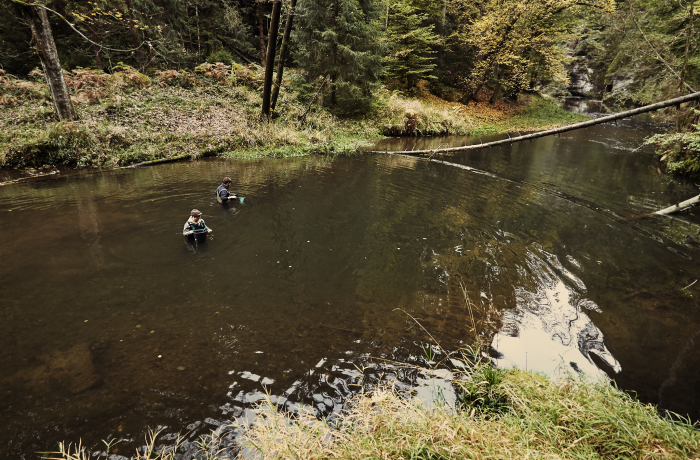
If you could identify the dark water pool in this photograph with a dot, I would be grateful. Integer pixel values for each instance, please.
(110, 322)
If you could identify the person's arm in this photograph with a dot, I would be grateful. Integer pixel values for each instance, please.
(209, 230)
(226, 195)
(186, 230)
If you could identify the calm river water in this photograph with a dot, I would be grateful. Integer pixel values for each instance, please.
(110, 322)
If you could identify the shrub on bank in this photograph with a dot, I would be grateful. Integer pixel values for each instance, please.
(681, 150)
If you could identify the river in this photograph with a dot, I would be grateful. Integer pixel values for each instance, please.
(111, 322)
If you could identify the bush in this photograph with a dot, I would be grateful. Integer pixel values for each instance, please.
(63, 143)
(682, 149)
(182, 79)
(222, 56)
(126, 77)
(251, 76)
(219, 71)
(12, 90)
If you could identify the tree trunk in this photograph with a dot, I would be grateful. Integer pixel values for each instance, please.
(687, 47)
(270, 65)
(443, 18)
(678, 207)
(199, 40)
(497, 89)
(46, 49)
(187, 21)
(262, 33)
(334, 95)
(140, 57)
(95, 48)
(496, 94)
(471, 96)
(283, 55)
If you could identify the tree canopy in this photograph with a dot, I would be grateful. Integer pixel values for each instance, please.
(346, 48)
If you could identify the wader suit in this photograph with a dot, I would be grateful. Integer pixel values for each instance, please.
(222, 194)
(196, 227)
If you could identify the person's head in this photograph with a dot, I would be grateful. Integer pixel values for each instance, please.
(227, 181)
(196, 215)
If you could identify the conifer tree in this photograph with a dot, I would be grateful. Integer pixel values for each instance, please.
(340, 40)
(410, 41)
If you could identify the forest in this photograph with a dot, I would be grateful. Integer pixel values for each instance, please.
(341, 54)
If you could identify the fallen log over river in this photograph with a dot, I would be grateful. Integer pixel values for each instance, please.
(561, 129)
(679, 207)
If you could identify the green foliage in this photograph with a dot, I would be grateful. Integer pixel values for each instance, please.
(639, 50)
(220, 56)
(338, 47)
(162, 34)
(411, 44)
(15, 56)
(482, 393)
(517, 43)
(681, 149)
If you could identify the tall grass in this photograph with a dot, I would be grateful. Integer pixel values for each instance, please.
(509, 415)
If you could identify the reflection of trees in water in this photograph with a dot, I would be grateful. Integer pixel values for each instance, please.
(89, 224)
(489, 248)
(459, 250)
(514, 276)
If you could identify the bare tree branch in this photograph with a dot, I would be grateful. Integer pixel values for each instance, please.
(658, 56)
(72, 26)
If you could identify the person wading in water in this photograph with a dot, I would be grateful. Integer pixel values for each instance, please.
(195, 225)
(222, 193)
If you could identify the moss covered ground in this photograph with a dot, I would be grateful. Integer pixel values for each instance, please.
(127, 118)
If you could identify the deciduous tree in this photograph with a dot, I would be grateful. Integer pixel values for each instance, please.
(42, 36)
(518, 42)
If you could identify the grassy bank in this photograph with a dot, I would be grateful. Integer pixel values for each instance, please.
(501, 414)
(127, 118)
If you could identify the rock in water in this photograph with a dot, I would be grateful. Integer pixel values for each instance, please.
(71, 370)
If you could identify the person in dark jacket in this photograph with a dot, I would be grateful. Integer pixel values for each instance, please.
(195, 224)
(222, 193)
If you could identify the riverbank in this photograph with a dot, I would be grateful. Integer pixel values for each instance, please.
(504, 414)
(128, 118)
(507, 414)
